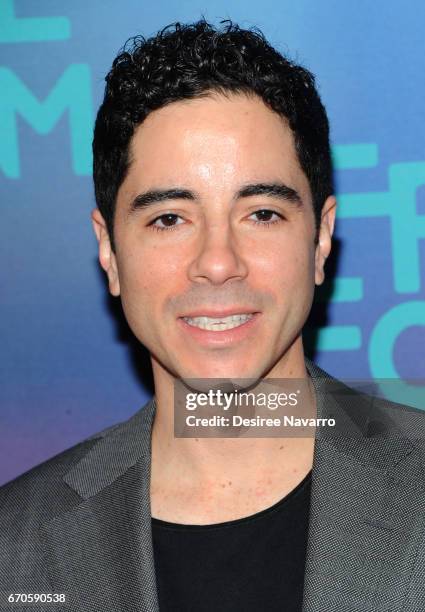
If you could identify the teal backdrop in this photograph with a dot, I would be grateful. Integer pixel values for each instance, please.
(69, 365)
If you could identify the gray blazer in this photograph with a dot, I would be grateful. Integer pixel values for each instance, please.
(80, 523)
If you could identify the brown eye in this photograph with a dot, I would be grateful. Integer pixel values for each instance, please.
(167, 221)
(265, 216)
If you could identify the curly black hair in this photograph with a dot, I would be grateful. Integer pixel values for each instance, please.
(186, 61)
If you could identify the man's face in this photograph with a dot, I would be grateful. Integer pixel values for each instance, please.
(220, 254)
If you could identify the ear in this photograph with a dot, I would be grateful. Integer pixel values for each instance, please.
(324, 244)
(107, 257)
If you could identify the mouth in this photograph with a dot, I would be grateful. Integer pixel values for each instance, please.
(217, 324)
(219, 331)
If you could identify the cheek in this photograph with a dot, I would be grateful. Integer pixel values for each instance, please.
(286, 265)
(146, 277)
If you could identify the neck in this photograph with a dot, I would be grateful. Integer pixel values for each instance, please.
(261, 469)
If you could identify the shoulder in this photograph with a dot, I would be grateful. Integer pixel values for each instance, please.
(61, 482)
(41, 492)
(26, 503)
(401, 418)
(368, 407)
(57, 488)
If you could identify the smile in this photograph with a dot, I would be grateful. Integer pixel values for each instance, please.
(218, 324)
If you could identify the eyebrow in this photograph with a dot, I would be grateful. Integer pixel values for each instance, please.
(272, 190)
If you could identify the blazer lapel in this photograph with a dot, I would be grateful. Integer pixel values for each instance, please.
(100, 552)
(367, 510)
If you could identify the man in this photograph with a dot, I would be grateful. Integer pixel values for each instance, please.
(213, 183)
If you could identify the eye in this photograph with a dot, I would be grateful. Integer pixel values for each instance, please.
(264, 214)
(167, 220)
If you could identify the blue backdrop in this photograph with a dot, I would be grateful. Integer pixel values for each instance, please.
(68, 366)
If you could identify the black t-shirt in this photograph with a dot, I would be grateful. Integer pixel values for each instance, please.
(252, 564)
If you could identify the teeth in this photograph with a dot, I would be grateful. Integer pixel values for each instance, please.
(220, 324)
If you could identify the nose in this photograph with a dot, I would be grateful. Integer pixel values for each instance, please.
(218, 258)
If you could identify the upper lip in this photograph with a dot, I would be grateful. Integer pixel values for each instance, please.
(228, 312)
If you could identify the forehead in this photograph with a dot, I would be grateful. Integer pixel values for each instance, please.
(214, 140)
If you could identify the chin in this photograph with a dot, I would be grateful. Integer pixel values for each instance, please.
(231, 371)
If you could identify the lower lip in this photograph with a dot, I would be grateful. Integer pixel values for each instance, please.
(222, 337)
